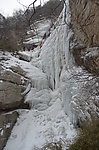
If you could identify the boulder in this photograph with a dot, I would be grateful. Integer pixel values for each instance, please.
(7, 122)
(10, 96)
(18, 69)
(10, 77)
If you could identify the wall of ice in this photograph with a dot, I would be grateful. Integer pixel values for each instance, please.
(55, 52)
(56, 59)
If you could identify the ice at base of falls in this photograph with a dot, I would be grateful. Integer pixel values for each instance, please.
(56, 59)
(36, 128)
(38, 99)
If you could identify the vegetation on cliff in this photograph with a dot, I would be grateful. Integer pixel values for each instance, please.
(88, 138)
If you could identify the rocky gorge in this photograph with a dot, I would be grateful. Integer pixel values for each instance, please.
(53, 89)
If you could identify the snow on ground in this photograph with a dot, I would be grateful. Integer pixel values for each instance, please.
(39, 29)
(35, 40)
(27, 53)
(36, 128)
(43, 27)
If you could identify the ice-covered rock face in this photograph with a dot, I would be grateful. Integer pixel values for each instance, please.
(56, 60)
(55, 52)
(58, 64)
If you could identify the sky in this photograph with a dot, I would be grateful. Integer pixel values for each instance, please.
(7, 7)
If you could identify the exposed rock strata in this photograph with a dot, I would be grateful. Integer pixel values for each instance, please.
(11, 87)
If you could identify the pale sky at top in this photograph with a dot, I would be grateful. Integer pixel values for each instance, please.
(8, 6)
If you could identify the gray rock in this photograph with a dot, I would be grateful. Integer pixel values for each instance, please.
(10, 96)
(85, 21)
(91, 59)
(79, 47)
(7, 122)
(88, 57)
(18, 69)
(0, 68)
(10, 77)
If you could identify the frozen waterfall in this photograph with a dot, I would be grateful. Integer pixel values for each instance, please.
(59, 95)
(57, 60)
(50, 95)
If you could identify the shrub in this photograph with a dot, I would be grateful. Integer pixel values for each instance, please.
(88, 138)
(9, 46)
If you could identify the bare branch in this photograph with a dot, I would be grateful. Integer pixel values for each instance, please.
(21, 4)
(33, 6)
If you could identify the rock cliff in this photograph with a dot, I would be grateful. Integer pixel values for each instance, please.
(85, 24)
(85, 21)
